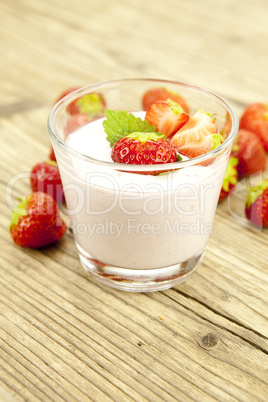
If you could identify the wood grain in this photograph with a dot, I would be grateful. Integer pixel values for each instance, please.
(63, 335)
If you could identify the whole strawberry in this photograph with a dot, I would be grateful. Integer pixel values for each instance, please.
(161, 94)
(36, 221)
(73, 122)
(92, 105)
(255, 119)
(45, 177)
(52, 155)
(143, 149)
(230, 178)
(256, 207)
(250, 152)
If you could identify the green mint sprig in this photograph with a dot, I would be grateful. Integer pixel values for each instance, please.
(118, 124)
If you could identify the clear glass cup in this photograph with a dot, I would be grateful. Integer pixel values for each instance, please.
(139, 232)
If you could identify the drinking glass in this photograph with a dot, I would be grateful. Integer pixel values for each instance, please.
(134, 231)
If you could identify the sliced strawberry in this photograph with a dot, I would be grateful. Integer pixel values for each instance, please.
(198, 136)
(167, 117)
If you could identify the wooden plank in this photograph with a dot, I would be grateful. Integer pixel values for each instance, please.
(64, 336)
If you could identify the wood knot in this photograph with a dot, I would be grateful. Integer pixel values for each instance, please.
(209, 340)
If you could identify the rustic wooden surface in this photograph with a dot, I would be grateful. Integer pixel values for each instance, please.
(63, 336)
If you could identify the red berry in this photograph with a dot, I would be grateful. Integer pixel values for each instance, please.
(71, 108)
(161, 94)
(250, 152)
(227, 126)
(167, 117)
(143, 149)
(52, 156)
(255, 119)
(256, 207)
(45, 177)
(230, 178)
(75, 121)
(92, 105)
(36, 221)
(198, 136)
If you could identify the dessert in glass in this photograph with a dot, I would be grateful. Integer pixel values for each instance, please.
(142, 225)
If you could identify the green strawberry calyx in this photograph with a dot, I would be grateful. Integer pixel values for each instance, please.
(177, 109)
(144, 137)
(255, 192)
(90, 105)
(230, 177)
(19, 211)
(217, 140)
(52, 163)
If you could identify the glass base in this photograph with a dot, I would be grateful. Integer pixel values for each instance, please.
(141, 280)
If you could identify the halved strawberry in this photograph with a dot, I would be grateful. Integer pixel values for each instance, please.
(167, 117)
(198, 136)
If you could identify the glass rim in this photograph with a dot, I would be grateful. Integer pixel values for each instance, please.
(57, 108)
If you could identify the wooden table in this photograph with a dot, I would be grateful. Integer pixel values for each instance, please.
(63, 336)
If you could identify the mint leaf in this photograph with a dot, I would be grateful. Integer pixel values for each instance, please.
(118, 124)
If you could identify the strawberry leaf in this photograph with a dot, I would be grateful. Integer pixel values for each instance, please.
(118, 124)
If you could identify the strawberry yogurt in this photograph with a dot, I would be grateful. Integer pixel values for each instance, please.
(134, 231)
(134, 221)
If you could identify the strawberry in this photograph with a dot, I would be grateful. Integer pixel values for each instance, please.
(71, 107)
(255, 119)
(167, 117)
(75, 121)
(92, 105)
(198, 136)
(227, 126)
(143, 149)
(161, 94)
(250, 152)
(36, 221)
(256, 207)
(45, 177)
(230, 178)
(52, 155)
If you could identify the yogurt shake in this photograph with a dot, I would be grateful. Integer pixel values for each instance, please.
(136, 231)
(138, 221)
